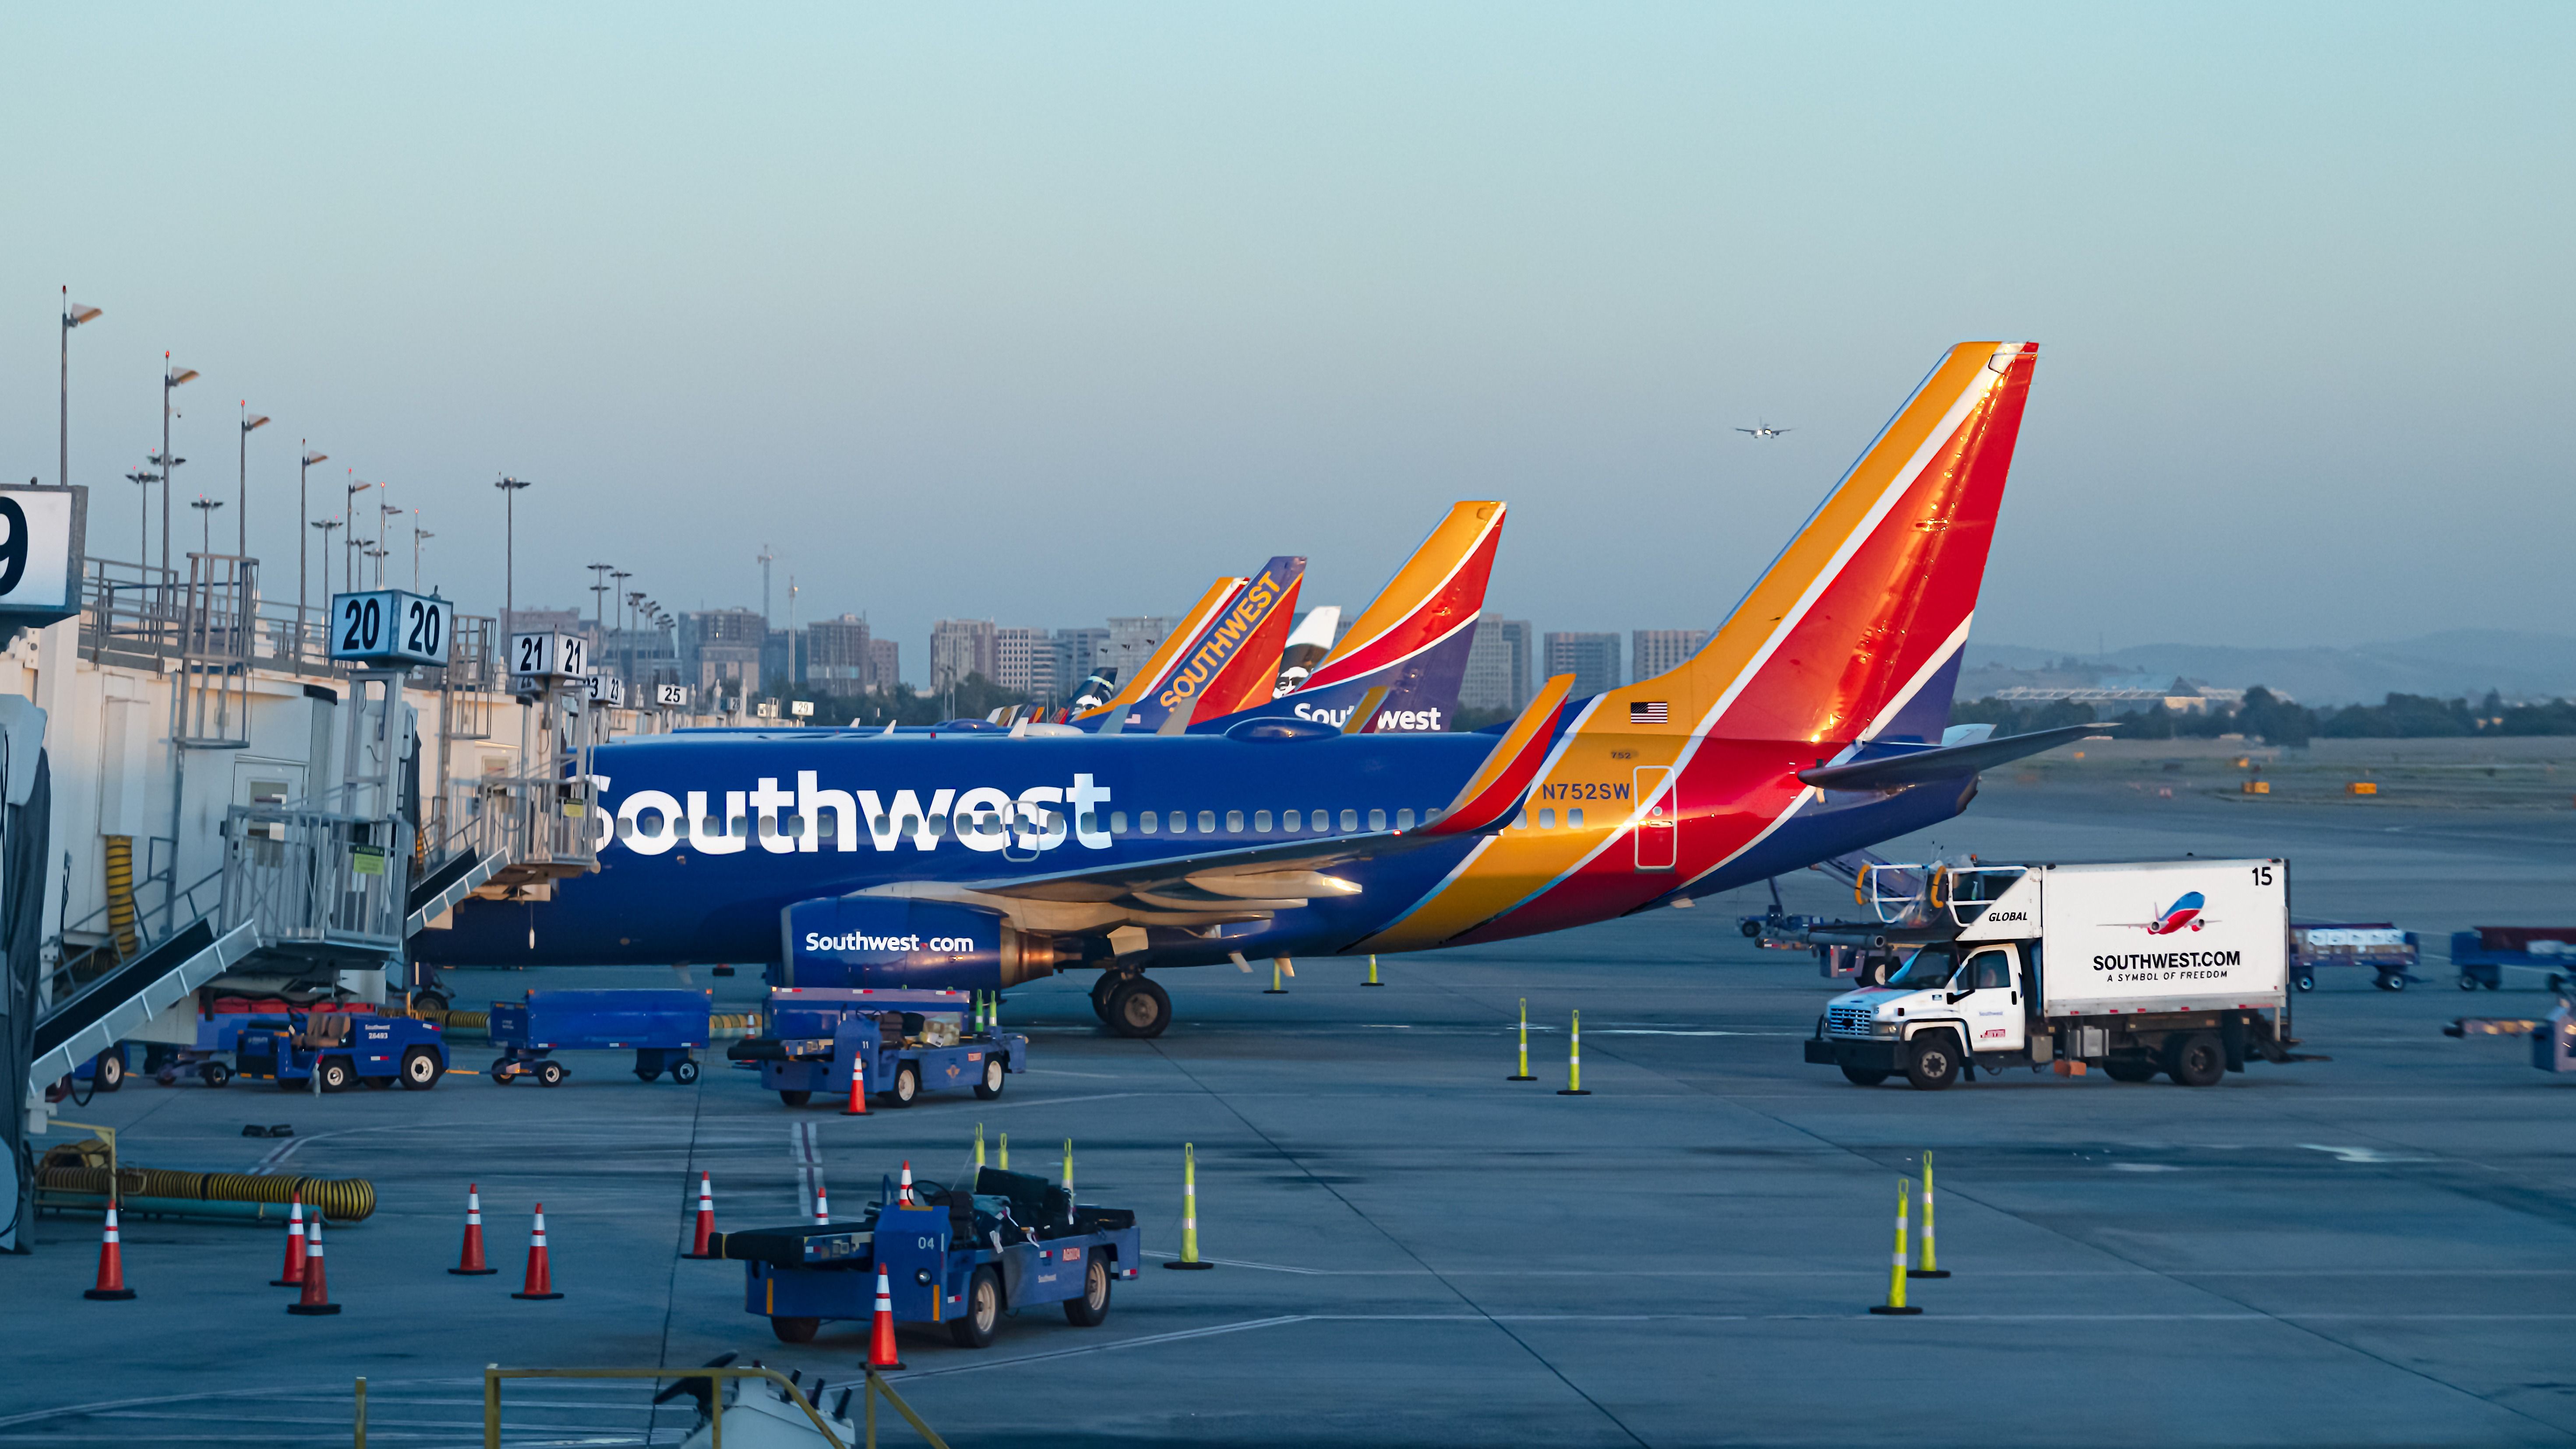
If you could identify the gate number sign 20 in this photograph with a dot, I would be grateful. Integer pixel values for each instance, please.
(391, 627)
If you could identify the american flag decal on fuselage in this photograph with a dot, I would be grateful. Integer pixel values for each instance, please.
(1648, 711)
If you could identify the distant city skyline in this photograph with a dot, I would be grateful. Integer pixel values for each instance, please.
(1003, 315)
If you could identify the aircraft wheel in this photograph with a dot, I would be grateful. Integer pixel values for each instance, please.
(1101, 991)
(1139, 1008)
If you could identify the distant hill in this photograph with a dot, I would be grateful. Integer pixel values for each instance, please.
(2453, 663)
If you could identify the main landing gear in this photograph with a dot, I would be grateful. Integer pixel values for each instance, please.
(1130, 1004)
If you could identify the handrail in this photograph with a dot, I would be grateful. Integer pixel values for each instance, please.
(64, 972)
(716, 1378)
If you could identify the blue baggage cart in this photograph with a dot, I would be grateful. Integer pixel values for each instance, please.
(960, 1255)
(906, 1041)
(343, 1049)
(662, 1027)
(2480, 955)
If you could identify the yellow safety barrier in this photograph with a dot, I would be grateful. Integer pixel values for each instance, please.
(1574, 1062)
(2362, 787)
(359, 1429)
(716, 1379)
(1895, 1303)
(1189, 1210)
(1930, 1268)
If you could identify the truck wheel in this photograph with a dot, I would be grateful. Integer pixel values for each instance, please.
(216, 1074)
(991, 1086)
(2197, 1060)
(2127, 1069)
(684, 1072)
(974, 1328)
(795, 1099)
(336, 1073)
(1139, 1008)
(1936, 1061)
(1863, 1076)
(420, 1069)
(2304, 983)
(1092, 1308)
(109, 1073)
(2468, 982)
(431, 999)
(2390, 983)
(1750, 929)
(907, 1085)
(795, 1330)
(550, 1074)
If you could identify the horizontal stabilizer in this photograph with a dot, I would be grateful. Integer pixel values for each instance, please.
(1921, 767)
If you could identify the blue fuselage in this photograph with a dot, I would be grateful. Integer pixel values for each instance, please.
(716, 833)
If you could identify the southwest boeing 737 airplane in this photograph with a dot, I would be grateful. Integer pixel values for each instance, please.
(1811, 725)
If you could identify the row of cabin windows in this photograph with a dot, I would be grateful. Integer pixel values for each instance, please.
(1149, 822)
(1547, 819)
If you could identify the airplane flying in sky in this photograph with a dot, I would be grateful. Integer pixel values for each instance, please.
(1764, 430)
(1812, 724)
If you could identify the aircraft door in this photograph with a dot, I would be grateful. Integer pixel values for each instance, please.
(1989, 987)
(1658, 835)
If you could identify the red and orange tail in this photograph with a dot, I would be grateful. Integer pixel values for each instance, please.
(1873, 597)
(1860, 617)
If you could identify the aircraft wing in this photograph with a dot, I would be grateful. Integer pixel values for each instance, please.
(1942, 762)
(1254, 882)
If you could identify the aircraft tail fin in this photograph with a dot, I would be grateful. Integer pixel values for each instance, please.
(1413, 637)
(1854, 632)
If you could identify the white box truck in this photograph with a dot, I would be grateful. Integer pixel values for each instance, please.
(2175, 966)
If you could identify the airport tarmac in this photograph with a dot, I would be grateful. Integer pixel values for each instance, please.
(2379, 1249)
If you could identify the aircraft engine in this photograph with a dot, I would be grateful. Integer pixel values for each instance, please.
(889, 941)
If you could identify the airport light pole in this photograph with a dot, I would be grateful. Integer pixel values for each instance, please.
(376, 551)
(510, 489)
(206, 522)
(621, 576)
(328, 527)
(417, 534)
(599, 587)
(304, 514)
(74, 314)
(143, 521)
(241, 501)
(171, 379)
(349, 545)
(384, 512)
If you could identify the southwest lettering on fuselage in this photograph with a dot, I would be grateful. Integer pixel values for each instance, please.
(1230, 631)
(861, 941)
(1388, 721)
(1040, 817)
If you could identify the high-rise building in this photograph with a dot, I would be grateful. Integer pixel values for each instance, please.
(1024, 662)
(885, 664)
(1078, 652)
(836, 655)
(1653, 651)
(782, 660)
(720, 651)
(1593, 660)
(1133, 640)
(959, 647)
(1498, 666)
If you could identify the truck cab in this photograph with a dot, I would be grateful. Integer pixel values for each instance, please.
(1951, 1002)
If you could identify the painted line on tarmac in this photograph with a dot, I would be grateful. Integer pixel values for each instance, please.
(806, 1151)
(1148, 1341)
(1876, 1273)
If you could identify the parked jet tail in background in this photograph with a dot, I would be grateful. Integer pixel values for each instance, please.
(1222, 657)
(1412, 639)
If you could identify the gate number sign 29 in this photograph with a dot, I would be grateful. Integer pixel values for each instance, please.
(390, 627)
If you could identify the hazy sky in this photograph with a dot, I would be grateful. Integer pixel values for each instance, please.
(1055, 312)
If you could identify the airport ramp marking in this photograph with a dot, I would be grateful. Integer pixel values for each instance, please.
(805, 1149)
(2363, 1156)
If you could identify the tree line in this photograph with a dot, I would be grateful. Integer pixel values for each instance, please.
(2274, 720)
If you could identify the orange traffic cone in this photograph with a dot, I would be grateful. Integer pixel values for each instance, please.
(316, 1301)
(111, 1265)
(469, 1263)
(858, 1086)
(292, 1275)
(706, 1219)
(881, 1333)
(903, 1189)
(822, 1206)
(541, 1283)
